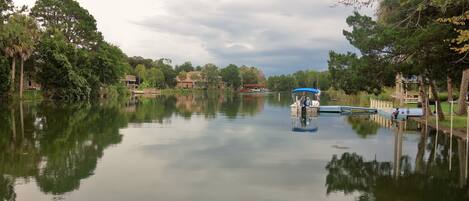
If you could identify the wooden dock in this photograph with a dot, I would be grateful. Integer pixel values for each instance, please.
(346, 109)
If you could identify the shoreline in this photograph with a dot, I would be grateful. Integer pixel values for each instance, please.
(458, 132)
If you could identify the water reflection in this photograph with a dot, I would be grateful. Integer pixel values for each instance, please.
(304, 124)
(59, 144)
(428, 179)
(224, 145)
(363, 125)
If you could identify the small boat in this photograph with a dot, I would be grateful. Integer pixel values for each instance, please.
(305, 101)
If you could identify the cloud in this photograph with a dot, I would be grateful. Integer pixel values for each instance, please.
(279, 36)
(276, 35)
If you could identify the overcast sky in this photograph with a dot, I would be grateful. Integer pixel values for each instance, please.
(280, 36)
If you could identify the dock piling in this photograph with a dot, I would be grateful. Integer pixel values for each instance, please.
(467, 137)
(451, 136)
(437, 130)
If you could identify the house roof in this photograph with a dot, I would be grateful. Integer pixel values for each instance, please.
(189, 77)
(130, 78)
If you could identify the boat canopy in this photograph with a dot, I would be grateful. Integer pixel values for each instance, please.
(305, 130)
(307, 90)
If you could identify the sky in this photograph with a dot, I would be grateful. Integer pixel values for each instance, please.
(279, 36)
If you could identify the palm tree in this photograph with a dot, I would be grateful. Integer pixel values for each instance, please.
(29, 37)
(20, 35)
(10, 43)
(10, 52)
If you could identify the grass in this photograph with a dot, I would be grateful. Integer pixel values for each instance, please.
(459, 121)
(177, 91)
(30, 95)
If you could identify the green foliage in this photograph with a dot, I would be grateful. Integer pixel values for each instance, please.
(309, 79)
(115, 91)
(231, 76)
(135, 61)
(282, 83)
(59, 77)
(67, 16)
(109, 63)
(168, 71)
(5, 6)
(18, 39)
(352, 74)
(210, 73)
(33, 95)
(312, 78)
(140, 72)
(186, 66)
(155, 78)
(4, 76)
(363, 125)
(26, 34)
(249, 75)
(461, 42)
(182, 75)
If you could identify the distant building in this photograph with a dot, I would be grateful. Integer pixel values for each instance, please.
(30, 83)
(190, 81)
(194, 80)
(252, 88)
(130, 81)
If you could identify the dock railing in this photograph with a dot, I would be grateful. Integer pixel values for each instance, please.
(381, 105)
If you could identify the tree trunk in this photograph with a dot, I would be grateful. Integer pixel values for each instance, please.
(462, 110)
(13, 124)
(21, 78)
(439, 111)
(13, 68)
(449, 84)
(419, 158)
(423, 97)
(21, 119)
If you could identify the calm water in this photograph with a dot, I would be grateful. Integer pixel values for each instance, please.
(220, 147)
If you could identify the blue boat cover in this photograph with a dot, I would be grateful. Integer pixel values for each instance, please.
(308, 90)
(305, 130)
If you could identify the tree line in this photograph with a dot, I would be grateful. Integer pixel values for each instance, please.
(308, 78)
(423, 39)
(58, 44)
(161, 74)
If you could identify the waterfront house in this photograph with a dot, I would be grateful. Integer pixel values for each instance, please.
(30, 83)
(195, 80)
(130, 82)
(252, 88)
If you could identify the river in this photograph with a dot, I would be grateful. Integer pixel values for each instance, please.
(220, 147)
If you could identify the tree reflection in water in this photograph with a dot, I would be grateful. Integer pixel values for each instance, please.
(59, 144)
(431, 178)
(363, 126)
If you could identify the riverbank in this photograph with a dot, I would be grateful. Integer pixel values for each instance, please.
(443, 128)
(459, 121)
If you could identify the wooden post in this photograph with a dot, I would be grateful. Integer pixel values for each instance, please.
(437, 117)
(437, 131)
(451, 137)
(398, 149)
(426, 114)
(467, 138)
